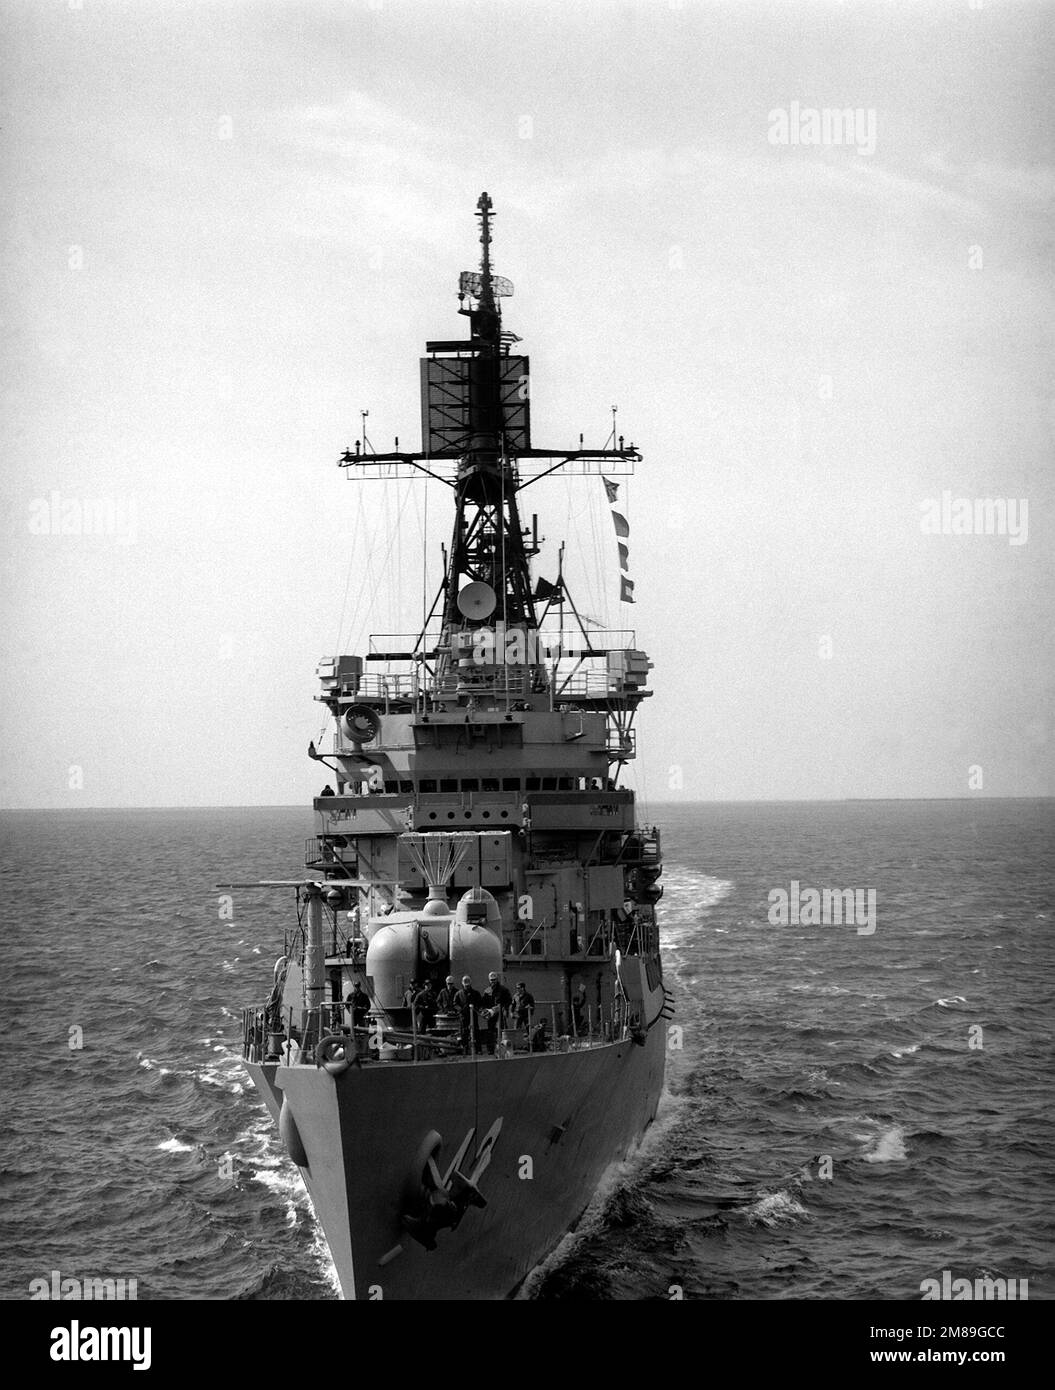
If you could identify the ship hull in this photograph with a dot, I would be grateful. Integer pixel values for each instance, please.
(545, 1125)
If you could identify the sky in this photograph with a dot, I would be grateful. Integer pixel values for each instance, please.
(231, 227)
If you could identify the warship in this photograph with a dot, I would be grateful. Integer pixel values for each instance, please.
(476, 838)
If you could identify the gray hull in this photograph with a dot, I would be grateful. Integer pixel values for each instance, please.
(561, 1118)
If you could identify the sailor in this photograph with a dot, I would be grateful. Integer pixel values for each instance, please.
(539, 1038)
(469, 1002)
(446, 1001)
(578, 1007)
(356, 999)
(425, 1007)
(327, 790)
(497, 997)
(409, 994)
(523, 1005)
(497, 1001)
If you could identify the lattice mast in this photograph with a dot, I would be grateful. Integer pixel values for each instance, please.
(488, 541)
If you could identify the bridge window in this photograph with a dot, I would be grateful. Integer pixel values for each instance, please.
(448, 784)
(533, 784)
(510, 784)
(427, 784)
(489, 784)
(470, 784)
(406, 786)
(549, 784)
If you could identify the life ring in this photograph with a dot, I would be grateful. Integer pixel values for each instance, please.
(332, 1054)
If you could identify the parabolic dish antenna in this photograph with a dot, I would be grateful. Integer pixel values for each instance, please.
(477, 600)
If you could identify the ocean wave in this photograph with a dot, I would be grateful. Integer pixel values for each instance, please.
(775, 1209)
(284, 1181)
(888, 1146)
(928, 1138)
(877, 1140)
(213, 1076)
(857, 1070)
(320, 1253)
(175, 1146)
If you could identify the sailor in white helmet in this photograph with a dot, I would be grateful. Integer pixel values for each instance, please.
(497, 1003)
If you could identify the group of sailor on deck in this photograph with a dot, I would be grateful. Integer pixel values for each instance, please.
(481, 1015)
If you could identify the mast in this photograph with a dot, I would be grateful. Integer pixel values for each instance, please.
(487, 545)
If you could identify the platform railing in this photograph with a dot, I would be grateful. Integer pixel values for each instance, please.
(400, 686)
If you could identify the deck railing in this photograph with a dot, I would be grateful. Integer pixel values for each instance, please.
(291, 1036)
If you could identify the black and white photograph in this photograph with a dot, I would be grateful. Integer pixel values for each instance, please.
(527, 757)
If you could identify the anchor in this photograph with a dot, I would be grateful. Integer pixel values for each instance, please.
(438, 1201)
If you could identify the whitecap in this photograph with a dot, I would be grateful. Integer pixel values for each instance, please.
(283, 1179)
(948, 1003)
(211, 1076)
(173, 1146)
(320, 1252)
(900, 1052)
(888, 1146)
(775, 1209)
